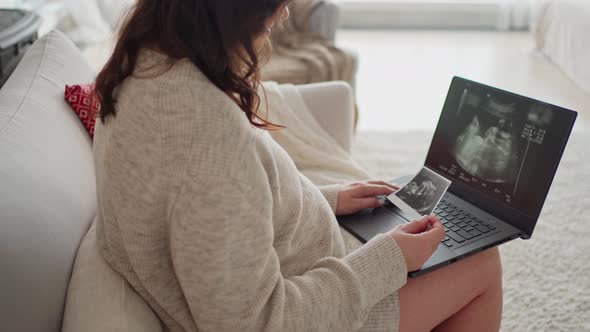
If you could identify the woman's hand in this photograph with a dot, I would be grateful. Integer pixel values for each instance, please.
(363, 195)
(418, 240)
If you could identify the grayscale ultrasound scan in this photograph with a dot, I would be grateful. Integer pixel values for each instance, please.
(496, 142)
(487, 146)
(422, 194)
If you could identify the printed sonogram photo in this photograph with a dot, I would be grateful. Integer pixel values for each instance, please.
(422, 194)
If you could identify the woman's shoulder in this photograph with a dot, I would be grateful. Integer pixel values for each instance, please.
(178, 94)
(153, 65)
(174, 107)
(175, 80)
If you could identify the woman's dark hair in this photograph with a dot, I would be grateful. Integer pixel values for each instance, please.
(217, 36)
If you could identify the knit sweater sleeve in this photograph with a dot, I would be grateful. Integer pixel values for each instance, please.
(331, 192)
(221, 243)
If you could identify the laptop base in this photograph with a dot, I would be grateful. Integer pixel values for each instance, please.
(370, 222)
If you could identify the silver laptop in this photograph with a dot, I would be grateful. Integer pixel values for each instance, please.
(501, 151)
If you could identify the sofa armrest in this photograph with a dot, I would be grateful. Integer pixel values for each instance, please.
(332, 105)
(324, 20)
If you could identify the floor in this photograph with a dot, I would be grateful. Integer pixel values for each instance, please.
(404, 75)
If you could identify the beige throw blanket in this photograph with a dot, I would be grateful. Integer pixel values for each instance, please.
(300, 56)
(316, 154)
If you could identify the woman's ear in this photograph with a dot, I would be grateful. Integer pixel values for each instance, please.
(285, 13)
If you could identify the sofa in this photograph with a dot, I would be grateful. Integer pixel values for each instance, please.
(53, 277)
(561, 31)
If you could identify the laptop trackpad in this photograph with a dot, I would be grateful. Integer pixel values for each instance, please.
(370, 222)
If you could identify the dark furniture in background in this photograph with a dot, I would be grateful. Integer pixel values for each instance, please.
(18, 31)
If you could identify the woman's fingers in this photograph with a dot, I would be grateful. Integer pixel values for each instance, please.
(416, 226)
(367, 203)
(363, 195)
(435, 234)
(434, 219)
(384, 183)
(371, 190)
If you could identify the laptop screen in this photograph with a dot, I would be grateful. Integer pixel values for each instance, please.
(503, 145)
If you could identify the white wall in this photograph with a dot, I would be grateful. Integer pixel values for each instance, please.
(27, 4)
(446, 14)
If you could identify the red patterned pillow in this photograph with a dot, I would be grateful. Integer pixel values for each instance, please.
(85, 103)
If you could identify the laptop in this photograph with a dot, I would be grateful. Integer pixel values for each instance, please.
(501, 151)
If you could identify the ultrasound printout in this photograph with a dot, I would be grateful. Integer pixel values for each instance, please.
(422, 194)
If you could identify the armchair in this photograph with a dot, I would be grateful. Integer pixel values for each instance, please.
(305, 51)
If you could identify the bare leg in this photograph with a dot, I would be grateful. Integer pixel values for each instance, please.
(465, 296)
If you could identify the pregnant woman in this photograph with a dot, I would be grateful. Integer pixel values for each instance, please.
(211, 222)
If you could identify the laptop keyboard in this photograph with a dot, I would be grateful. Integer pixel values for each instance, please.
(460, 226)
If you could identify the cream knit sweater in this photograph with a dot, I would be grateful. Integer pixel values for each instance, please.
(210, 221)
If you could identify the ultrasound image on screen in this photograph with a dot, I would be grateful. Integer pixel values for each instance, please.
(486, 147)
(504, 145)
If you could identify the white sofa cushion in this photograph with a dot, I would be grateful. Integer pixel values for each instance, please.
(47, 185)
(47, 203)
(99, 299)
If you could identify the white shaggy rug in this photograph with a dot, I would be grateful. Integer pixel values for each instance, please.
(547, 278)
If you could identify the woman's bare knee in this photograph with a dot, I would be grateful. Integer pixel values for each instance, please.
(450, 289)
(491, 266)
(494, 289)
(483, 311)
